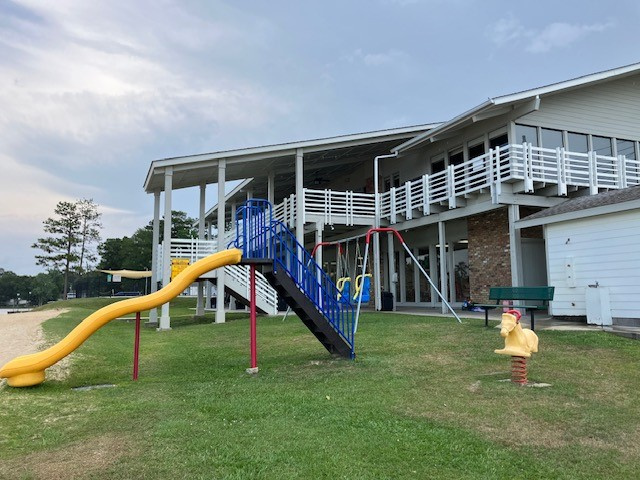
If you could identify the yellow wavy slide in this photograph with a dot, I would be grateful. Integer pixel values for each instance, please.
(28, 370)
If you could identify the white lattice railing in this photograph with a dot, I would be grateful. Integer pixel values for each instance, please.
(532, 165)
(194, 249)
(347, 208)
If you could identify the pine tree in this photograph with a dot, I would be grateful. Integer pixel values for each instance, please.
(89, 230)
(73, 228)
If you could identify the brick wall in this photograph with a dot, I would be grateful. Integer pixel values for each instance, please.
(489, 253)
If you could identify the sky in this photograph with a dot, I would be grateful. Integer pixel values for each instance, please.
(92, 91)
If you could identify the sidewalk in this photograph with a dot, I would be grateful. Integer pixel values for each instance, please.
(542, 319)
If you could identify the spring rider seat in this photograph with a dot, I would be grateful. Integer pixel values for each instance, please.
(519, 343)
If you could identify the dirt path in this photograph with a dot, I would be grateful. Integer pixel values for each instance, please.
(21, 333)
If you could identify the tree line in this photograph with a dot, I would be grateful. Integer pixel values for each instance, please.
(71, 251)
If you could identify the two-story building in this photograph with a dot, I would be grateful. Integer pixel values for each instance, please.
(456, 190)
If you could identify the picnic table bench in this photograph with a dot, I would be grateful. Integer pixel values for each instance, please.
(531, 294)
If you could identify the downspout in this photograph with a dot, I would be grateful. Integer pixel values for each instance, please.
(376, 237)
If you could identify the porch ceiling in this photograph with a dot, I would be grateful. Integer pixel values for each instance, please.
(322, 158)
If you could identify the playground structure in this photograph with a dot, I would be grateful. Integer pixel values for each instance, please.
(519, 343)
(261, 242)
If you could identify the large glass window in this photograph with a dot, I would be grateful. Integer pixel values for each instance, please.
(578, 142)
(626, 148)
(602, 145)
(551, 138)
(526, 134)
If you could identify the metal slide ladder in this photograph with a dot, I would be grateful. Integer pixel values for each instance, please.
(295, 275)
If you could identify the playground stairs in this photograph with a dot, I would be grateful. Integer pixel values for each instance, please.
(295, 275)
(308, 312)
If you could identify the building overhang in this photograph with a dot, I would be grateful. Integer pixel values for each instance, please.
(256, 162)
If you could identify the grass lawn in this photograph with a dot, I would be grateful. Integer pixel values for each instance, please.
(422, 400)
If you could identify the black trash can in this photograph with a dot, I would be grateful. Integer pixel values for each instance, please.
(387, 302)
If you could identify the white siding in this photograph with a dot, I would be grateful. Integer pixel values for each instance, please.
(610, 109)
(605, 249)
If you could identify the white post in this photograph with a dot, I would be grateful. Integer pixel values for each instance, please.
(426, 206)
(433, 272)
(593, 173)
(377, 291)
(561, 165)
(165, 319)
(452, 273)
(416, 276)
(299, 197)
(408, 213)
(451, 181)
(222, 169)
(402, 276)
(443, 264)
(515, 246)
(392, 268)
(200, 301)
(271, 187)
(155, 239)
(622, 171)
(208, 283)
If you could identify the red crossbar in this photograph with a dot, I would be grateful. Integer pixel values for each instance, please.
(384, 230)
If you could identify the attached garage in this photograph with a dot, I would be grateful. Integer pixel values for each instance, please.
(593, 256)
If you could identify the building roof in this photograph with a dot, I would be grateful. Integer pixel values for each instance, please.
(503, 104)
(586, 206)
(192, 170)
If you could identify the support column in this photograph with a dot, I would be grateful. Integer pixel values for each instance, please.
(443, 264)
(402, 264)
(392, 269)
(208, 283)
(232, 300)
(271, 187)
(433, 273)
(515, 246)
(200, 303)
(155, 239)
(222, 171)
(416, 277)
(452, 273)
(165, 319)
(377, 274)
(299, 198)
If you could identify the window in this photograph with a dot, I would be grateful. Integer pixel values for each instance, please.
(456, 157)
(626, 148)
(476, 150)
(526, 134)
(578, 142)
(499, 140)
(437, 163)
(602, 146)
(551, 138)
(396, 179)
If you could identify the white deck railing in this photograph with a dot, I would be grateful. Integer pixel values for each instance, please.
(535, 166)
(194, 249)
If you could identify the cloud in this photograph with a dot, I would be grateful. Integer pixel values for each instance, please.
(390, 57)
(562, 35)
(510, 31)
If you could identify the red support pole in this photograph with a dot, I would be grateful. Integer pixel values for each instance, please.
(136, 347)
(252, 318)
